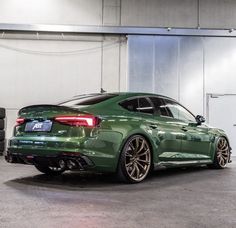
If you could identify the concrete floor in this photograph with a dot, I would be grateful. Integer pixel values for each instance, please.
(196, 197)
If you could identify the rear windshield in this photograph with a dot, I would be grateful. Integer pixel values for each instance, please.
(85, 100)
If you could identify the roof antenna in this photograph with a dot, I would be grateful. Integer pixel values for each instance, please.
(102, 90)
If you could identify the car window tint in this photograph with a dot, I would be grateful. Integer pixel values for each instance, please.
(179, 112)
(130, 105)
(88, 100)
(145, 106)
(138, 105)
(159, 106)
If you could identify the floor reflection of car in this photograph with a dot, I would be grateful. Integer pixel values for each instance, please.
(124, 133)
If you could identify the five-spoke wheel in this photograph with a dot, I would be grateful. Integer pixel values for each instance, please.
(135, 160)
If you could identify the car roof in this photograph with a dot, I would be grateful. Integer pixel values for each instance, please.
(125, 94)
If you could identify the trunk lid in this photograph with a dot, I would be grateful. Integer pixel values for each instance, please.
(39, 120)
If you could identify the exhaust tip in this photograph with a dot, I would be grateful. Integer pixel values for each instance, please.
(9, 158)
(71, 164)
(62, 164)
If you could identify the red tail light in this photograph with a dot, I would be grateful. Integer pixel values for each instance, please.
(19, 121)
(85, 121)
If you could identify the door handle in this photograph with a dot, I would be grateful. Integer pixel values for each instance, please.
(184, 129)
(153, 126)
(234, 125)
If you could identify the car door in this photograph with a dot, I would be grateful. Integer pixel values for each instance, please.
(196, 139)
(166, 136)
(167, 131)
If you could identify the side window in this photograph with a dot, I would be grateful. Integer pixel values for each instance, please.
(159, 106)
(138, 105)
(145, 106)
(179, 112)
(130, 105)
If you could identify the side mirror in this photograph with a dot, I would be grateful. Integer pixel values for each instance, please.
(200, 119)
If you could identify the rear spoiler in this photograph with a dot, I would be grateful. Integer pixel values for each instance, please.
(43, 106)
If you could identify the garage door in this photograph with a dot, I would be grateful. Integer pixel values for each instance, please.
(183, 67)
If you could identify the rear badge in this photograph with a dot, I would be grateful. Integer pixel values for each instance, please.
(29, 157)
(36, 126)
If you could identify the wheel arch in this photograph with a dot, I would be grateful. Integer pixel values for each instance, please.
(143, 134)
(215, 142)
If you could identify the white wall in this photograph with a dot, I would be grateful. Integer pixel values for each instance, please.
(150, 13)
(179, 13)
(51, 11)
(161, 13)
(76, 12)
(48, 71)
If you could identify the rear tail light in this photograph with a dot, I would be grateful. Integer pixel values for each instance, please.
(19, 121)
(85, 120)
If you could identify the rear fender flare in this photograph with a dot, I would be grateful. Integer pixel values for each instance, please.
(141, 132)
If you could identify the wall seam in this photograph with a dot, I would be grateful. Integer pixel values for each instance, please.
(154, 61)
(119, 51)
(198, 14)
(204, 78)
(102, 46)
(178, 73)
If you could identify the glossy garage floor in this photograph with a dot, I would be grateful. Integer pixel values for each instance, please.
(196, 197)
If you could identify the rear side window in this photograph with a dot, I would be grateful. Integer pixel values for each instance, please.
(138, 105)
(131, 105)
(145, 106)
(88, 99)
(159, 106)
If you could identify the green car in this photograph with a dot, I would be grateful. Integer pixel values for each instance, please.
(129, 134)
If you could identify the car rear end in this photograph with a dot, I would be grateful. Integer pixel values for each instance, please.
(64, 137)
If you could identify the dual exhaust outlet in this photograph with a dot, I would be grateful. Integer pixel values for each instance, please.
(70, 164)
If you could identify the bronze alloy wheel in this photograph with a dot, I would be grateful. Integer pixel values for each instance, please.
(222, 152)
(137, 158)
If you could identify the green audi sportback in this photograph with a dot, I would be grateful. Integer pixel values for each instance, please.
(129, 134)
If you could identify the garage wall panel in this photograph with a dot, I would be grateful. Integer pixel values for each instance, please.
(49, 71)
(166, 66)
(111, 12)
(141, 63)
(36, 78)
(53, 71)
(159, 13)
(220, 62)
(79, 12)
(110, 68)
(191, 73)
(151, 13)
(217, 14)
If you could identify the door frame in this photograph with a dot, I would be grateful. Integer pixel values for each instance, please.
(214, 95)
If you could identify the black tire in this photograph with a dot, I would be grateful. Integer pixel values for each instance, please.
(48, 170)
(2, 124)
(135, 160)
(2, 113)
(2, 135)
(2, 146)
(222, 154)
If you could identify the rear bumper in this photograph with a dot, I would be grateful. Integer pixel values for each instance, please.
(102, 150)
(70, 161)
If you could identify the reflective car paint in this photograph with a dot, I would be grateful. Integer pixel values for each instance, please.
(173, 142)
